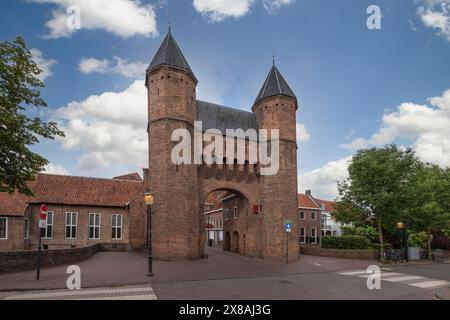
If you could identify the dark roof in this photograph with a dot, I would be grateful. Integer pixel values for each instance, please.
(275, 85)
(169, 54)
(69, 190)
(130, 177)
(215, 116)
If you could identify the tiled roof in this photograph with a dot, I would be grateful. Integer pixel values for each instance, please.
(305, 202)
(70, 190)
(329, 205)
(275, 85)
(214, 116)
(169, 54)
(130, 177)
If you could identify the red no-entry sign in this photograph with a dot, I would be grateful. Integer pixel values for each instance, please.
(43, 212)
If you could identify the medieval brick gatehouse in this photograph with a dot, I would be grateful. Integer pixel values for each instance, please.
(89, 210)
(181, 190)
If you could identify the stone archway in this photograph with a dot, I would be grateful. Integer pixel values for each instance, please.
(238, 219)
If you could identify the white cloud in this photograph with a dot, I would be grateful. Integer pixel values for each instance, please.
(302, 133)
(55, 169)
(428, 127)
(273, 5)
(125, 18)
(436, 15)
(218, 10)
(109, 129)
(91, 65)
(118, 66)
(323, 181)
(43, 64)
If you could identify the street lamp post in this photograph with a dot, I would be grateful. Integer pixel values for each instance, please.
(148, 199)
(401, 226)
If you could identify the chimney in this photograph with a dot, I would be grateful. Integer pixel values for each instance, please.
(308, 192)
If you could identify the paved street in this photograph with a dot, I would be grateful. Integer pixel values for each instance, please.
(110, 275)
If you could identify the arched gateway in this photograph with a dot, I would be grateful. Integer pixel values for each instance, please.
(181, 189)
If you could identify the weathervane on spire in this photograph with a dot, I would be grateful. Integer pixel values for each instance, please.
(273, 57)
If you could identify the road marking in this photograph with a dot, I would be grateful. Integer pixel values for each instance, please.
(383, 274)
(132, 297)
(85, 294)
(404, 278)
(401, 278)
(353, 273)
(431, 284)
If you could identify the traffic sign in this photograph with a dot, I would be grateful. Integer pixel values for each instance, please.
(42, 224)
(288, 227)
(43, 212)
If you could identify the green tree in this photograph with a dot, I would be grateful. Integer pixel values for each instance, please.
(377, 180)
(19, 94)
(430, 201)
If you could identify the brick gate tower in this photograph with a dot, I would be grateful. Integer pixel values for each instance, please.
(180, 190)
(171, 88)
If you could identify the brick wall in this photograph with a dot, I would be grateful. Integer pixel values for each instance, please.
(15, 240)
(26, 260)
(370, 254)
(308, 223)
(59, 241)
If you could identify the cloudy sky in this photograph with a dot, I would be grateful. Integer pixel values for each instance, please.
(356, 87)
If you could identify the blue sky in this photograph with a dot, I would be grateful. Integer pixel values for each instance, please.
(356, 87)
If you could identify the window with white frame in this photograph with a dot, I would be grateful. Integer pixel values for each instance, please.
(116, 223)
(3, 228)
(314, 236)
(302, 235)
(227, 214)
(48, 234)
(71, 225)
(302, 215)
(313, 216)
(235, 213)
(94, 226)
(26, 229)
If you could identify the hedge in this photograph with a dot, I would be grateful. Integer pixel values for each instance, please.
(345, 242)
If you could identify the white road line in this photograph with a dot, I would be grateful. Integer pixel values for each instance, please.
(353, 273)
(132, 297)
(431, 284)
(404, 278)
(86, 292)
(383, 275)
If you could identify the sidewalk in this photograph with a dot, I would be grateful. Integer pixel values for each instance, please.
(111, 269)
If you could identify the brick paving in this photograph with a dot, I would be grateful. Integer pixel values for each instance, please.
(112, 269)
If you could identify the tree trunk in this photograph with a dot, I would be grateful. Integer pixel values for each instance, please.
(380, 236)
(429, 243)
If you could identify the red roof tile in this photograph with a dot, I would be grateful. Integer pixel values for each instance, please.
(305, 202)
(69, 190)
(329, 205)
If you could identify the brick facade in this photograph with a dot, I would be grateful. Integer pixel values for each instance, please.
(180, 190)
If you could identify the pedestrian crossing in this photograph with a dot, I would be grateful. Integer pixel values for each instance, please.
(123, 293)
(395, 277)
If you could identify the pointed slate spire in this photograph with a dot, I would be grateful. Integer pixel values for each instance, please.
(275, 85)
(169, 54)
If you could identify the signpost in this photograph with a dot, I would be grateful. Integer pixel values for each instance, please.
(42, 225)
(288, 227)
